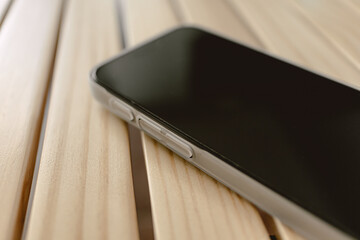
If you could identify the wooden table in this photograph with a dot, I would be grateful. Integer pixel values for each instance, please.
(74, 156)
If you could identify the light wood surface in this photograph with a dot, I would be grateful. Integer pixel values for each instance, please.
(286, 32)
(356, 4)
(218, 16)
(188, 204)
(339, 22)
(135, 17)
(84, 188)
(27, 43)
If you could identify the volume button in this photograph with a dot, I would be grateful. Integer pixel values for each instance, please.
(121, 109)
(151, 129)
(178, 146)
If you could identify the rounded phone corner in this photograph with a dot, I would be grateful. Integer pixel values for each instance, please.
(93, 75)
(186, 27)
(190, 26)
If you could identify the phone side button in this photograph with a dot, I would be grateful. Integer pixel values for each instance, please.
(151, 129)
(178, 146)
(121, 109)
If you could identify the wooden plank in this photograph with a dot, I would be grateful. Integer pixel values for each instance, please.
(285, 31)
(339, 21)
(186, 203)
(84, 188)
(356, 4)
(218, 16)
(27, 44)
(139, 23)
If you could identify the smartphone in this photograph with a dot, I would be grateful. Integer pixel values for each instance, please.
(283, 137)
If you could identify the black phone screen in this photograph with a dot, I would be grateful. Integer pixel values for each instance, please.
(292, 130)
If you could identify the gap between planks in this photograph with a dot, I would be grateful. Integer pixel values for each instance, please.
(84, 187)
(44, 114)
(22, 101)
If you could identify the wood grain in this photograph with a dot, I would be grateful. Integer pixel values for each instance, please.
(186, 203)
(139, 23)
(286, 32)
(27, 44)
(355, 4)
(84, 188)
(339, 21)
(218, 16)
